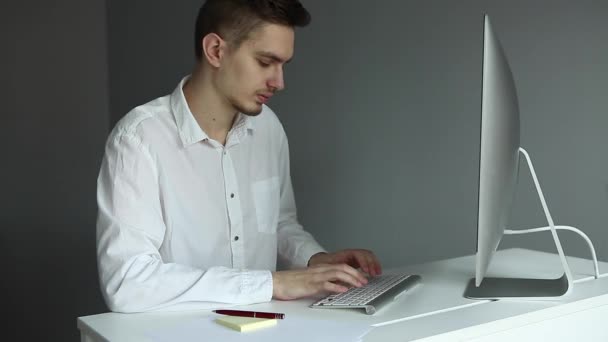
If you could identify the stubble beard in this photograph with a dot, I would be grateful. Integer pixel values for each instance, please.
(249, 111)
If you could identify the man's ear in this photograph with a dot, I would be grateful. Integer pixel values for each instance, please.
(213, 49)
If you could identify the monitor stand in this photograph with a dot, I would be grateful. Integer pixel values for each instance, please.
(521, 288)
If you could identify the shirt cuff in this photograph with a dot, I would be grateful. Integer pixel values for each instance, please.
(307, 251)
(257, 286)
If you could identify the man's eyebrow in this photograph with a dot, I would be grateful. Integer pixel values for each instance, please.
(273, 57)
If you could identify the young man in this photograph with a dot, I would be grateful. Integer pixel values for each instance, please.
(194, 193)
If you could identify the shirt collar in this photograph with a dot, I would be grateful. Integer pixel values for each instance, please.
(190, 131)
(242, 125)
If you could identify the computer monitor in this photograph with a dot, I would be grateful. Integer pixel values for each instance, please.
(498, 174)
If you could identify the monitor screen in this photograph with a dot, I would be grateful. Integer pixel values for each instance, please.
(498, 173)
(499, 151)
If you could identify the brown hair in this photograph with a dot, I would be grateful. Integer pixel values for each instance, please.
(233, 20)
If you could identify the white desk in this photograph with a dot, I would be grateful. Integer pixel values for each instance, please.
(579, 315)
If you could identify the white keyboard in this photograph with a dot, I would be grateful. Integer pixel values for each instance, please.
(374, 295)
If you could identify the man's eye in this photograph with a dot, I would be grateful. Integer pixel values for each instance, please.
(263, 64)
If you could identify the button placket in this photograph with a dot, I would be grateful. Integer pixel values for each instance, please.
(233, 206)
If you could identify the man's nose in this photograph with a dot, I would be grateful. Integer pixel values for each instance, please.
(277, 82)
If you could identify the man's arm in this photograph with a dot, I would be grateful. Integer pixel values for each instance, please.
(130, 231)
(296, 245)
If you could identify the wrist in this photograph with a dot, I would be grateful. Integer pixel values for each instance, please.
(316, 259)
(276, 285)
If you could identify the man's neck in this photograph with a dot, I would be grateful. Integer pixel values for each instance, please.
(213, 114)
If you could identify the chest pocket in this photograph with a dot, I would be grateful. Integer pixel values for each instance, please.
(266, 197)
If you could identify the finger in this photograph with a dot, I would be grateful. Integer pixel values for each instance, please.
(356, 260)
(357, 273)
(335, 288)
(342, 268)
(347, 274)
(377, 266)
(338, 277)
(371, 263)
(346, 280)
(365, 260)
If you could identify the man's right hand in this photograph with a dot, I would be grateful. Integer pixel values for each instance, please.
(314, 280)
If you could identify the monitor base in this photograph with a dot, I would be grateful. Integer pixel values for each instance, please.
(518, 288)
(530, 289)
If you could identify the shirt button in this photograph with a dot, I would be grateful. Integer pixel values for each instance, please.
(231, 195)
(236, 238)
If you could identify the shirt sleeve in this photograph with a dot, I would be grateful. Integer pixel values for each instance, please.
(295, 245)
(130, 231)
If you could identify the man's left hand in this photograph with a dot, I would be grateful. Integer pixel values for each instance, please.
(357, 258)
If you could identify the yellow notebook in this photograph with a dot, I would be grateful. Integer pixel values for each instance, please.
(243, 324)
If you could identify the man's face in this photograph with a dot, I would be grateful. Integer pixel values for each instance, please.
(252, 73)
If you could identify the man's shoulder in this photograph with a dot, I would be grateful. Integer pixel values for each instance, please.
(144, 117)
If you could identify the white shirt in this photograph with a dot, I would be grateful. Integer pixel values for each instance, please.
(185, 222)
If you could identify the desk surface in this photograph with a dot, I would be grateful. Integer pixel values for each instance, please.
(434, 311)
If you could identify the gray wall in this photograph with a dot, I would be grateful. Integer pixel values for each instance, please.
(150, 49)
(382, 108)
(54, 122)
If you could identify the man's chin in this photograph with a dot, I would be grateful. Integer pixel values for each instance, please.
(250, 111)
